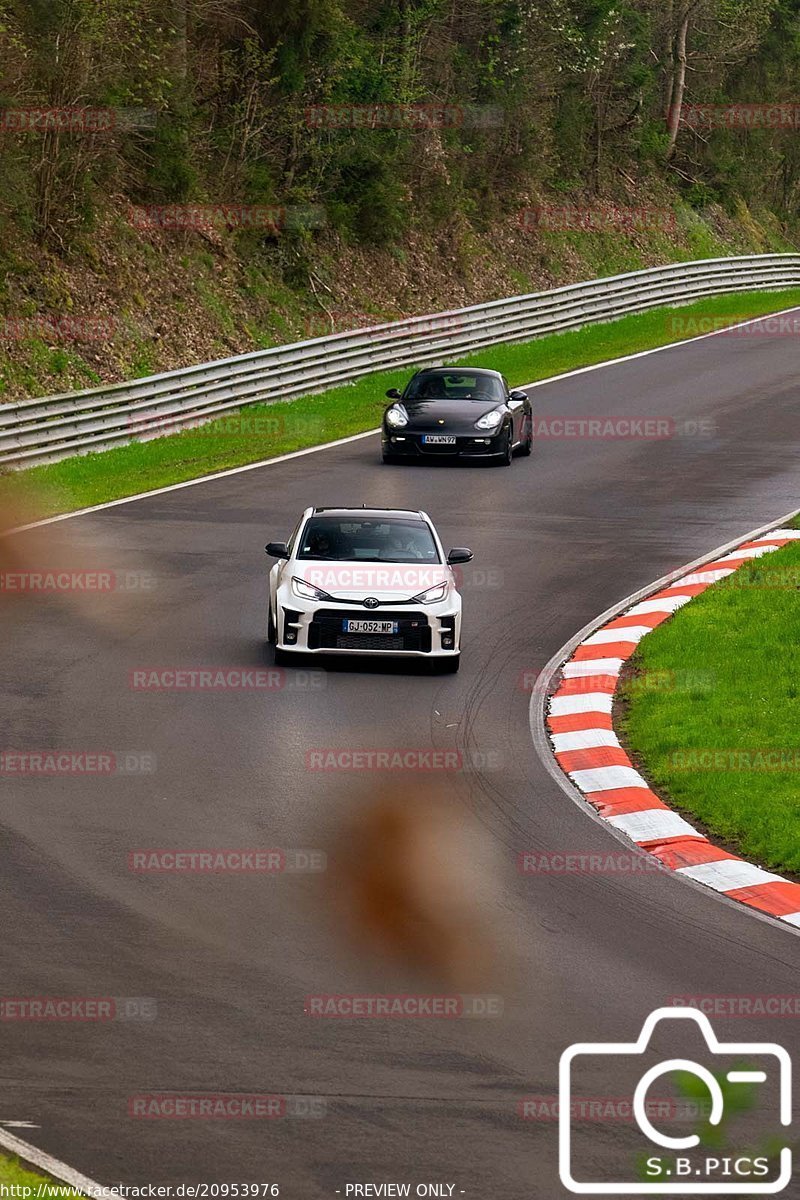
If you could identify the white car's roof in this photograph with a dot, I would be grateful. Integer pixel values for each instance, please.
(372, 513)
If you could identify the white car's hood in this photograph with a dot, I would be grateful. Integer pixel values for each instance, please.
(381, 580)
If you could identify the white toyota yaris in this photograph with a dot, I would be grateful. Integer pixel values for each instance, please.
(368, 581)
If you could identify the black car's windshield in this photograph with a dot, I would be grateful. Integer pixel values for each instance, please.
(348, 539)
(456, 385)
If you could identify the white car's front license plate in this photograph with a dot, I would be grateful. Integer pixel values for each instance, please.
(370, 626)
(438, 439)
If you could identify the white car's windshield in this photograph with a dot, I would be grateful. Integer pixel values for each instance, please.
(348, 539)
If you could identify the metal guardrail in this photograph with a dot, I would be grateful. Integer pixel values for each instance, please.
(46, 430)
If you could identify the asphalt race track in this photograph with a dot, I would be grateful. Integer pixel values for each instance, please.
(230, 958)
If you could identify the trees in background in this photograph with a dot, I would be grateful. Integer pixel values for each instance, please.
(218, 100)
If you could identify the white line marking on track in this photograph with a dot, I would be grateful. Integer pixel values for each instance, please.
(59, 1170)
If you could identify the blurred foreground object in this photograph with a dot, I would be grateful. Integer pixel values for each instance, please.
(417, 879)
(75, 563)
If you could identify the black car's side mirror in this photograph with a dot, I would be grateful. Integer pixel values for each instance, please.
(277, 549)
(518, 396)
(393, 394)
(460, 554)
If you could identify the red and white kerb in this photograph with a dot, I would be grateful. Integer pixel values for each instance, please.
(588, 750)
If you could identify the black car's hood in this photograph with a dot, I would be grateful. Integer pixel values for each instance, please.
(456, 414)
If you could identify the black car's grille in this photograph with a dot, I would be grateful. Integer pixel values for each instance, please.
(326, 632)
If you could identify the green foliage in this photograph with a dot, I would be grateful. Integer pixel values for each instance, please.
(565, 94)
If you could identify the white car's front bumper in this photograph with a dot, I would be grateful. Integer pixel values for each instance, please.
(317, 627)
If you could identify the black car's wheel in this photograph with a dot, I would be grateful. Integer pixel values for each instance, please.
(390, 458)
(527, 446)
(508, 450)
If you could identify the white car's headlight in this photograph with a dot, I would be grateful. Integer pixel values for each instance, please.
(432, 595)
(396, 416)
(307, 590)
(490, 420)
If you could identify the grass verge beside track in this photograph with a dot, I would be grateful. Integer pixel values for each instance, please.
(265, 431)
(723, 675)
(27, 1182)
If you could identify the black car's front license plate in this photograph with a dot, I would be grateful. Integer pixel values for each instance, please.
(370, 626)
(438, 439)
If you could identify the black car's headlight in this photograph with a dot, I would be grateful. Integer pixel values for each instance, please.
(307, 591)
(396, 417)
(490, 421)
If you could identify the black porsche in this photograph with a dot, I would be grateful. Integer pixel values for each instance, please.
(457, 412)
